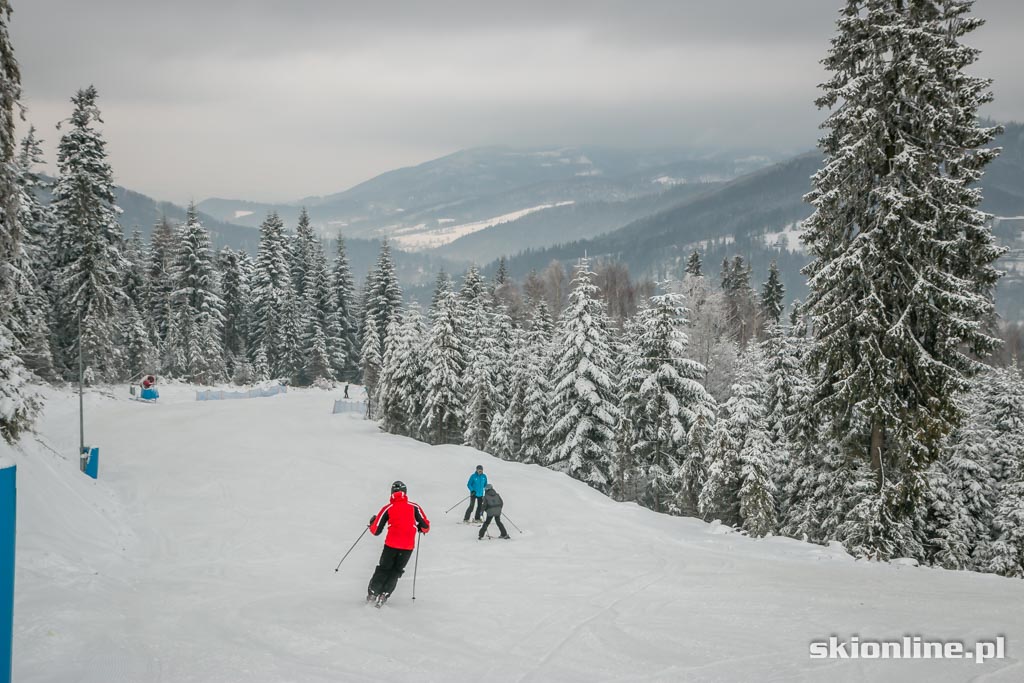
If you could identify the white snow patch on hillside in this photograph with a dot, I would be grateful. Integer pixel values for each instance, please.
(417, 238)
(788, 238)
(206, 550)
(242, 214)
(668, 180)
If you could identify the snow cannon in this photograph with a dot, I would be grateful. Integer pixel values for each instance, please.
(149, 392)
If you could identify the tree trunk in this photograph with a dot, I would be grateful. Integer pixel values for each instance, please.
(877, 436)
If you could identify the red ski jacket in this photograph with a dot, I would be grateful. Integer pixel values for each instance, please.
(403, 520)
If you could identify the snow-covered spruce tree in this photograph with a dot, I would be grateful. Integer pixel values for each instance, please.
(271, 296)
(300, 255)
(136, 338)
(444, 405)
(482, 383)
(662, 396)
(320, 320)
(443, 285)
(583, 402)
(234, 283)
(757, 457)
(719, 493)
(383, 299)
(692, 470)
(346, 356)
(163, 245)
(902, 257)
(1004, 553)
(371, 365)
(140, 354)
(31, 308)
(536, 385)
(403, 373)
(17, 404)
(741, 309)
(196, 306)
(693, 265)
(772, 296)
(87, 256)
(505, 440)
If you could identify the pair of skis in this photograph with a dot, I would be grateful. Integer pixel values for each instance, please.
(378, 600)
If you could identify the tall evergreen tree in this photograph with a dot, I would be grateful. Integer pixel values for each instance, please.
(444, 405)
(320, 320)
(235, 294)
(163, 246)
(31, 308)
(662, 397)
(772, 295)
(694, 266)
(346, 356)
(402, 377)
(17, 404)
(383, 298)
(88, 259)
(371, 366)
(271, 299)
(583, 402)
(196, 306)
(535, 376)
(902, 257)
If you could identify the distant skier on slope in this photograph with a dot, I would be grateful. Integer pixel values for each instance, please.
(492, 506)
(476, 485)
(403, 519)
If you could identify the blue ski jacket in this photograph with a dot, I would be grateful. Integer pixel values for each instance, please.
(476, 484)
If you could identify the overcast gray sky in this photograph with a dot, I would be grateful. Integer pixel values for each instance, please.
(279, 99)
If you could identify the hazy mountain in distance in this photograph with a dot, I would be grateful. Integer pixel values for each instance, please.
(415, 270)
(485, 183)
(758, 216)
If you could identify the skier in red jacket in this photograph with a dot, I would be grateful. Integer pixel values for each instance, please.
(404, 520)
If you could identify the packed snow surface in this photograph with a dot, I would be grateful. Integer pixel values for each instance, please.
(206, 552)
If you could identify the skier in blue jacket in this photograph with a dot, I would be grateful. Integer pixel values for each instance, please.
(476, 485)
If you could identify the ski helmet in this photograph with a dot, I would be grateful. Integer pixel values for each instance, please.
(398, 486)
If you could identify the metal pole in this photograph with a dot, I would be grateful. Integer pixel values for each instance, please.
(353, 546)
(455, 506)
(81, 401)
(416, 566)
(511, 522)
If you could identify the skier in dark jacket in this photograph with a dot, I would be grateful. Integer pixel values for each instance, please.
(403, 520)
(476, 485)
(492, 506)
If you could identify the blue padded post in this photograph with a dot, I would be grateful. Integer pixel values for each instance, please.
(8, 512)
(92, 465)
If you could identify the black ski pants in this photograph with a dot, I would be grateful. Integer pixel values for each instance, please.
(389, 569)
(479, 502)
(496, 516)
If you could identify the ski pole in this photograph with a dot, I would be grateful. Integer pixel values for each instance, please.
(416, 566)
(511, 522)
(455, 506)
(353, 546)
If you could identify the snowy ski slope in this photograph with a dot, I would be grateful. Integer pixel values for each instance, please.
(206, 552)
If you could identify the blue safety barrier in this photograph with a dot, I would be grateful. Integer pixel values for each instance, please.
(92, 465)
(8, 513)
